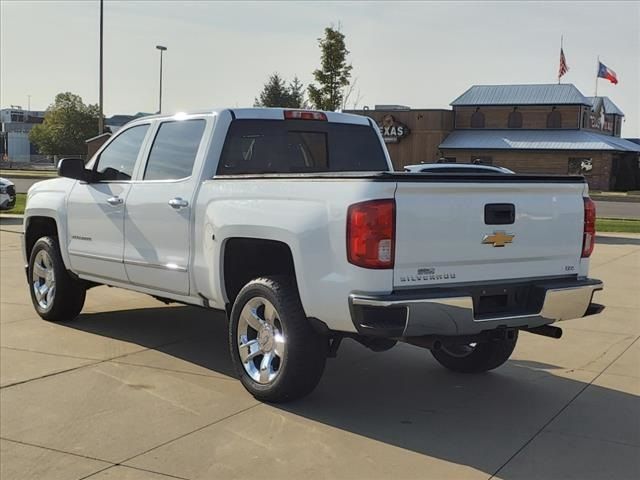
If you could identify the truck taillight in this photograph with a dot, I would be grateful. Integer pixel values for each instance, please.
(589, 235)
(371, 233)
(304, 115)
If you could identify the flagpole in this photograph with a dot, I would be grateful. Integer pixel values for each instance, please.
(561, 41)
(597, 71)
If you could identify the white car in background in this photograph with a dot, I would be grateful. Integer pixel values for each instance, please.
(7, 194)
(455, 168)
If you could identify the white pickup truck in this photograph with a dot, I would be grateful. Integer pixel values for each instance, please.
(294, 223)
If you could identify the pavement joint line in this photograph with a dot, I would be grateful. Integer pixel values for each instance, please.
(57, 450)
(209, 375)
(47, 353)
(98, 362)
(535, 435)
(633, 339)
(10, 231)
(589, 437)
(179, 437)
(132, 468)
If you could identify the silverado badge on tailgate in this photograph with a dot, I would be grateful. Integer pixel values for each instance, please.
(498, 239)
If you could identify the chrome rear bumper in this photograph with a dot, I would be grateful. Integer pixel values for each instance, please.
(471, 309)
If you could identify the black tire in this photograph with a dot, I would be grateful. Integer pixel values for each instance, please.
(69, 294)
(480, 358)
(302, 364)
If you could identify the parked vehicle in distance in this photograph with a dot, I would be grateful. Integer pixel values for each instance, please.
(295, 225)
(456, 168)
(7, 194)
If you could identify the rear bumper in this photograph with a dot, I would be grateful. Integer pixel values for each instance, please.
(469, 310)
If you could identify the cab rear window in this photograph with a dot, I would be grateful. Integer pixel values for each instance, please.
(299, 146)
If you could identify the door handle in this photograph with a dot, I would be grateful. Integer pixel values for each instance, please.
(115, 201)
(178, 203)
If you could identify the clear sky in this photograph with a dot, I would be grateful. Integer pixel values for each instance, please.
(420, 54)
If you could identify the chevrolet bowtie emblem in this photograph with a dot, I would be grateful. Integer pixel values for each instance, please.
(498, 239)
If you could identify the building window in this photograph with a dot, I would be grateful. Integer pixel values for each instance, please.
(515, 119)
(481, 160)
(17, 117)
(580, 166)
(477, 119)
(554, 119)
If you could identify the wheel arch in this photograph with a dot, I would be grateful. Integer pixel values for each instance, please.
(43, 225)
(245, 258)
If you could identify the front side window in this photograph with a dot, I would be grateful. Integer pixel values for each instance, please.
(117, 160)
(174, 150)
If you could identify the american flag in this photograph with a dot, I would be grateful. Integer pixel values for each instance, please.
(563, 65)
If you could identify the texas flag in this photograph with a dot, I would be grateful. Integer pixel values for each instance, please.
(607, 73)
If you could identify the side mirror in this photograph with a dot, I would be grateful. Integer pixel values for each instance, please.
(73, 168)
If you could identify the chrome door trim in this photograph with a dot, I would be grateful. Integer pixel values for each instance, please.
(93, 256)
(169, 266)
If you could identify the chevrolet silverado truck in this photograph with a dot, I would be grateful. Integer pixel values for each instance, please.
(294, 223)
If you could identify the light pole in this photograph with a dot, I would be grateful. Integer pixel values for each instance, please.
(162, 49)
(101, 117)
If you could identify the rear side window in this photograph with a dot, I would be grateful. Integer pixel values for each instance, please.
(300, 146)
(117, 160)
(174, 150)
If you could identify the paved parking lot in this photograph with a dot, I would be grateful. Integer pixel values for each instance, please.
(137, 390)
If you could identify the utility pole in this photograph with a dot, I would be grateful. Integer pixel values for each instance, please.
(162, 49)
(101, 118)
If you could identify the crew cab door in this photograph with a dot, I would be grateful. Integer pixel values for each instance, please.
(157, 223)
(95, 210)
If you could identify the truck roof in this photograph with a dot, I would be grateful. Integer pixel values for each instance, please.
(261, 114)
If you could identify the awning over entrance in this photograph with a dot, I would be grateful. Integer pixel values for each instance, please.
(536, 140)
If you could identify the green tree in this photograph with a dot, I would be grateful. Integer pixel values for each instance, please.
(68, 122)
(333, 76)
(276, 93)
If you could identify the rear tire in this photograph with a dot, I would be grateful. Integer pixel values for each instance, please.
(276, 352)
(55, 294)
(476, 358)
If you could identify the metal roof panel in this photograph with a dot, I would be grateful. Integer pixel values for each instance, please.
(548, 94)
(536, 140)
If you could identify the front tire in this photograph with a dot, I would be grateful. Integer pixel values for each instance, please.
(476, 357)
(56, 295)
(275, 351)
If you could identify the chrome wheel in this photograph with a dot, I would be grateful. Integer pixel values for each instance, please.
(43, 280)
(459, 351)
(260, 340)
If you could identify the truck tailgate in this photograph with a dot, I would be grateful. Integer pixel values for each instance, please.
(446, 232)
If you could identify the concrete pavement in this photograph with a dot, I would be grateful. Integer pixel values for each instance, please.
(137, 390)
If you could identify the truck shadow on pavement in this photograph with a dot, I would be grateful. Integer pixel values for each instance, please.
(403, 398)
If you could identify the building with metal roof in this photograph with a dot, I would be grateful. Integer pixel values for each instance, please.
(575, 140)
(545, 94)
(527, 128)
(607, 104)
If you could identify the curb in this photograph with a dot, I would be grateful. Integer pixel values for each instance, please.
(29, 176)
(616, 198)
